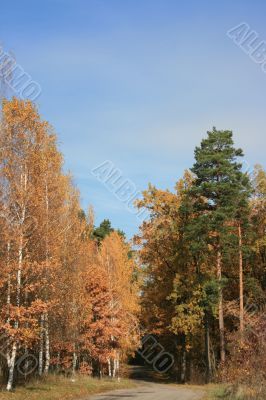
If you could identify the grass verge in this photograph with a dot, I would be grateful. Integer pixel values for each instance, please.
(239, 392)
(216, 392)
(59, 388)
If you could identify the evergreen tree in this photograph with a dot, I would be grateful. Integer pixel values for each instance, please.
(103, 230)
(219, 191)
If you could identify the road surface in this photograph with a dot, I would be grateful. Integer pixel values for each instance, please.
(152, 391)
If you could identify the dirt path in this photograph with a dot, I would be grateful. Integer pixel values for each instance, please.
(153, 391)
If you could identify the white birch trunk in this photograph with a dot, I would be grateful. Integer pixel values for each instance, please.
(20, 221)
(47, 344)
(114, 368)
(74, 363)
(46, 321)
(118, 365)
(8, 302)
(109, 368)
(40, 368)
(8, 284)
(12, 367)
(12, 359)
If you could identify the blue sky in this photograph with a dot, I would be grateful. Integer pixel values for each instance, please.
(139, 83)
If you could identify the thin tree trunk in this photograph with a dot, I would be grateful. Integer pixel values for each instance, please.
(58, 361)
(114, 367)
(46, 320)
(109, 368)
(74, 363)
(207, 349)
(183, 360)
(19, 272)
(26, 351)
(8, 284)
(241, 285)
(26, 367)
(47, 344)
(221, 313)
(118, 365)
(100, 370)
(8, 302)
(40, 369)
(12, 358)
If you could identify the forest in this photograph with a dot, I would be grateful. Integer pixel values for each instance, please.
(69, 291)
(203, 253)
(77, 298)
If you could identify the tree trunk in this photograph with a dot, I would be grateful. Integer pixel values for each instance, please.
(12, 359)
(47, 344)
(46, 320)
(8, 283)
(26, 367)
(100, 372)
(221, 313)
(11, 367)
(74, 363)
(118, 365)
(109, 368)
(58, 361)
(183, 359)
(207, 349)
(114, 367)
(241, 285)
(40, 369)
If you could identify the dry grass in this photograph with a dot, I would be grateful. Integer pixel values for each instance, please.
(230, 392)
(60, 388)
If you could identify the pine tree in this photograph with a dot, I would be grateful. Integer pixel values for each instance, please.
(218, 188)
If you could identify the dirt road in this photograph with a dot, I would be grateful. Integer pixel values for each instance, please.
(153, 391)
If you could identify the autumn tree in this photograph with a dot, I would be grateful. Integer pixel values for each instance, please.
(171, 309)
(69, 291)
(23, 137)
(122, 278)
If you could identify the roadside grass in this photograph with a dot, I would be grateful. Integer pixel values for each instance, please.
(216, 392)
(56, 387)
(239, 392)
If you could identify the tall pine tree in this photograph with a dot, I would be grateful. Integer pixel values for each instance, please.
(219, 190)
